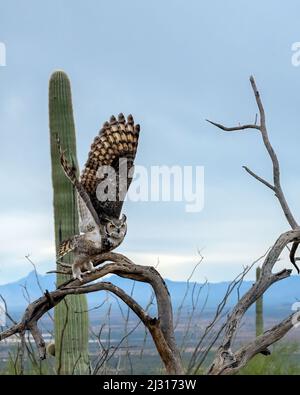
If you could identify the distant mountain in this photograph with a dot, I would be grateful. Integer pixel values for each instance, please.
(278, 299)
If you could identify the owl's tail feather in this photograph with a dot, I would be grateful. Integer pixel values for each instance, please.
(65, 247)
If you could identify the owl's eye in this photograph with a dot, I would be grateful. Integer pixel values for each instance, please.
(110, 227)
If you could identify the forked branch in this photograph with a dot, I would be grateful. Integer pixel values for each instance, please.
(227, 361)
(160, 328)
(276, 187)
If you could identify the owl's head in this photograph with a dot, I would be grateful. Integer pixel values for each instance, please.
(116, 228)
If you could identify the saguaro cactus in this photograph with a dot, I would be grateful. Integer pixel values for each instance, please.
(259, 319)
(71, 317)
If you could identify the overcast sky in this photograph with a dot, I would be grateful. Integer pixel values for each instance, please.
(172, 64)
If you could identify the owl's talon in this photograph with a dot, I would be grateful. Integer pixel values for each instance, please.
(91, 268)
(77, 277)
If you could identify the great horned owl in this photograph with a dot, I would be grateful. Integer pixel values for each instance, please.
(101, 227)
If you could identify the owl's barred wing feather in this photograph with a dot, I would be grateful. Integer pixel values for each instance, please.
(67, 246)
(86, 220)
(115, 145)
(88, 216)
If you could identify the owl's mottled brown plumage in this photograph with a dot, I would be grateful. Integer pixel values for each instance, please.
(117, 139)
(115, 146)
(66, 246)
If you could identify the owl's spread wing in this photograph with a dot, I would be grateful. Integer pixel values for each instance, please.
(86, 221)
(88, 217)
(115, 146)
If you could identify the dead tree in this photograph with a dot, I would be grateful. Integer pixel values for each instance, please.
(226, 360)
(161, 328)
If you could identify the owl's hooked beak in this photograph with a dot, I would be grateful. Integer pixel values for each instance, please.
(123, 219)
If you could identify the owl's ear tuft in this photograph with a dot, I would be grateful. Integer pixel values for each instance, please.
(123, 219)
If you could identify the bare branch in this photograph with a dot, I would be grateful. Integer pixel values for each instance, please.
(276, 168)
(62, 333)
(161, 328)
(234, 128)
(38, 338)
(260, 179)
(225, 357)
(194, 365)
(261, 343)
